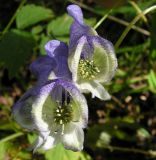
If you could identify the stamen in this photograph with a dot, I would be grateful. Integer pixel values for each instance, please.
(62, 129)
(63, 114)
(87, 69)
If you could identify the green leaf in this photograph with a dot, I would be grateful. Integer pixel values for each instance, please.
(143, 133)
(114, 128)
(152, 81)
(59, 153)
(61, 25)
(31, 137)
(3, 149)
(44, 40)
(24, 155)
(104, 139)
(32, 14)
(153, 54)
(15, 48)
(37, 29)
(90, 22)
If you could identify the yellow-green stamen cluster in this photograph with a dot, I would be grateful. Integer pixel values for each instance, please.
(63, 114)
(87, 69)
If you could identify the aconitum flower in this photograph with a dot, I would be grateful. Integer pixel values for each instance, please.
(57, 111)
(54, 107)
(54, 64)
(91, 58)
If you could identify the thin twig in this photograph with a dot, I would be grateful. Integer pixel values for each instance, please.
(128, 28)
(136, 7)
(125, 23)
(118, 101)
(13, 136)
(134, 150)
(102, 20)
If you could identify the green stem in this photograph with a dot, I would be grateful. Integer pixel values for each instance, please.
(128, 28)
(136, 7)
(13, 17)
(125, 23)
(106, 15)
(102, 19)
(13, 136)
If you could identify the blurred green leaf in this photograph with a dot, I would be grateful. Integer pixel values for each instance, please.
(23, 155)
(146, 4)
(44, 40)
(152, 81)
(90, 22)
(37, 29)
(143, 133)
(153, 54)
(59, 153)
(125, 9)
(3, 149)
(32, 14)
(61, 25)
(114, 128)
(104, 139)
(5, 126)
(15, 48)
(31, 137)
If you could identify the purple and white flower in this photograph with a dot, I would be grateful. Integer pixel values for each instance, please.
(91, 58)
(57, 111)
(55, 107)
(54, 65)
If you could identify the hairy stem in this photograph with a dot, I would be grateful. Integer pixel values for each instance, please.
(101, 20)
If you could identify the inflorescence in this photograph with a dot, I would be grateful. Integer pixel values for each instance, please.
(87, 69)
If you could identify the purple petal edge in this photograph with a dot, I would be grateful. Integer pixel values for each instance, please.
(75, 12)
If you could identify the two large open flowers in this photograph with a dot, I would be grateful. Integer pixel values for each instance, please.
(55, 107)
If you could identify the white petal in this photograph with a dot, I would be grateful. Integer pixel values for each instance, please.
(96, 89)
(43, 109)
(105, 59)
(22, 113)
(52, 76)
(73, 138)
(73, 60)
(79, 104)
(37, 111)
(49, 143)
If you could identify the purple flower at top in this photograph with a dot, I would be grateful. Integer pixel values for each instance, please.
(92, 60)
(54, 65)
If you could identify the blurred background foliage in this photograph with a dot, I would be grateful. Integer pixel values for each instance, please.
(119, 129)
